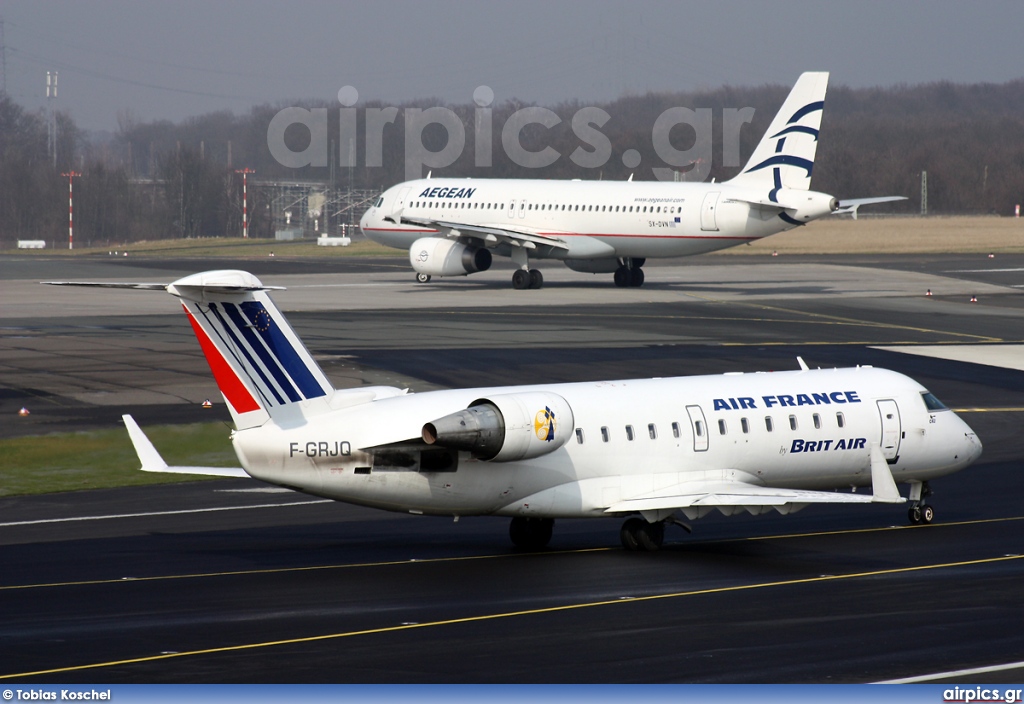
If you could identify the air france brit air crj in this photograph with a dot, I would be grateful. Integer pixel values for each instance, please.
(651, 451)
(453, 227)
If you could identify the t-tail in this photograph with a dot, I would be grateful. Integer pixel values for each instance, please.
(261, 367)
(784, 159)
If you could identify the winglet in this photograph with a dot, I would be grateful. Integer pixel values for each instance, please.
(148, 455)
(883, 486)
(153, 462)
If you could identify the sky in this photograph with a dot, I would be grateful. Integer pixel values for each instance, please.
(176, 59)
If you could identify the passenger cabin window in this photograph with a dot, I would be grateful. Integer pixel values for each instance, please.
(817, 422)
(579, 435)
(840, 420)
(652, 431)
(604, 433)
(792, 422)
(629, 433)
(699, 428)
(675, 430)
(769, 425)
(721, 427)
(744, 425)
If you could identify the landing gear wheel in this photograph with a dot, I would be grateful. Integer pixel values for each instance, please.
(636, 277)
(531, 533)
(622, 277)
(521, 279)
(651, 536)
(536, 278)
(927, 514)
(638, 535)
(423, 278)
(628, 534)
(914, 514)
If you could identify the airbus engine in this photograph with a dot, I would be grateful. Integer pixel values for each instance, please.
(505, 427)
(437, 256)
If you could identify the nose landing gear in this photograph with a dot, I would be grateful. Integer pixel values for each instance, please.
(920, 513)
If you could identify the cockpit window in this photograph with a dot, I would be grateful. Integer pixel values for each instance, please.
(380, 202)
(932, 403)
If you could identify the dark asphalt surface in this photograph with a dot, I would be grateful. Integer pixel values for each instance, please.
(214, 582)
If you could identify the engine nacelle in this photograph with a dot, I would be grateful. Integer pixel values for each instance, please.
(438, 256)
(506, 427)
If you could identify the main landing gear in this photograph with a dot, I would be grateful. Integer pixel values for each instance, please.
(524, 276)
(920, 513)
(531, 533)
(527, 278)
(629, 273)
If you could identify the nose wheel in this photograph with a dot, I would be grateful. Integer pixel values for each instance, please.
(920, 513)
(423, 278)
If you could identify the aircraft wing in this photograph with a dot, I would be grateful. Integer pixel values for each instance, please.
(492, 236)
(153, 462)
(736, 492)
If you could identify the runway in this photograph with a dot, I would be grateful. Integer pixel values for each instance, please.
(225, 581)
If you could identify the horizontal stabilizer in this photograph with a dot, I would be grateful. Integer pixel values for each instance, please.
(153, 462)
(851, 205)
(98, 284)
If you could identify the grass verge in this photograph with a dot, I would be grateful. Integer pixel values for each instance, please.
(236, 248)
(101, 459)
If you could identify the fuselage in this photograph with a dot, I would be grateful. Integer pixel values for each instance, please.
(595, 219)
(810, 429)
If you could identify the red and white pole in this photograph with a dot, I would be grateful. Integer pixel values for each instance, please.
(245, 200)
(71, 207)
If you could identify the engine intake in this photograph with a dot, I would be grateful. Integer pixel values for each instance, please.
(505, 427)
(437, 256)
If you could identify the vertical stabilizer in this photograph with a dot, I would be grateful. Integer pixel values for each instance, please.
(261, 367)
(785, 156)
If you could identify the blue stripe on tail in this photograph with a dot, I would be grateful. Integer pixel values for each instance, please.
(271, 334)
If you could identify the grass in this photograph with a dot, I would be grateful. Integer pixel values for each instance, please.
(234, 247)
(100, 459)
(868, 235)
(906, 235)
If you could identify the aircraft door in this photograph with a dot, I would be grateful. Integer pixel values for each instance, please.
(511, 208)
(522, 208)
(699, 426)
(400, 202)
(708, 221)
(892, 429)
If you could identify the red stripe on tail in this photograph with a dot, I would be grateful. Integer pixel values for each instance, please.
(227, 380)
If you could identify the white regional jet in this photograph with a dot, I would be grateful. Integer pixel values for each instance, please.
(647, 450)
(452, 226)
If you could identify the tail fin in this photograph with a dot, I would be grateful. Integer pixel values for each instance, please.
(785, 156)
(261, 367)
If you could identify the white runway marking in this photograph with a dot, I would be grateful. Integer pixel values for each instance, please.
(162, 513)
(955, 673)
